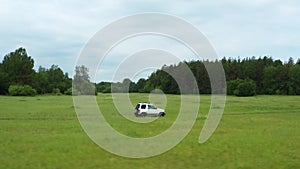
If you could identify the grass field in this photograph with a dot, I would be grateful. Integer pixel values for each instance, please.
(260, 132)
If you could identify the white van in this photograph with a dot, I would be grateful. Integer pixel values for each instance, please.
(148, 109)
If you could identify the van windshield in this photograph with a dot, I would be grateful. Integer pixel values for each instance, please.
(137, 106)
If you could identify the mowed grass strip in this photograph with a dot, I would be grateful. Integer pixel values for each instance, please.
(255, 132)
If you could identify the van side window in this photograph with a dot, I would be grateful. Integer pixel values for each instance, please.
(143, 106)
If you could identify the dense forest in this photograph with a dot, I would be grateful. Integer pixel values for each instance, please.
(17, 76)
(245, 77)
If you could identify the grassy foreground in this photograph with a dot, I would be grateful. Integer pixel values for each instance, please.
(255, 132)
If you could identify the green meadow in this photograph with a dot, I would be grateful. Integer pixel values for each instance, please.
(260, 132)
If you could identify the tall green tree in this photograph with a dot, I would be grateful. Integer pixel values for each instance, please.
(19, 67)
(275, 80)
(201, 75)
(269, 81)
(51, 80)
(294, 75)
(290, 62)
(4, 82)
(81, 82)
(58, 79)
(298, 62)
(103, 87)
(140, 85)
(41, 82)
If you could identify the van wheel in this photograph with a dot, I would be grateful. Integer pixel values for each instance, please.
(161, 114)
(144, 114)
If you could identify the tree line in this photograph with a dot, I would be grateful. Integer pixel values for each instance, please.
(245, 77)
(18, 77)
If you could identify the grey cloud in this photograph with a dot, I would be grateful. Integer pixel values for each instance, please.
(56, 31)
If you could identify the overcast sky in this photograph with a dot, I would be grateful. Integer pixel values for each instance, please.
(55, 32)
